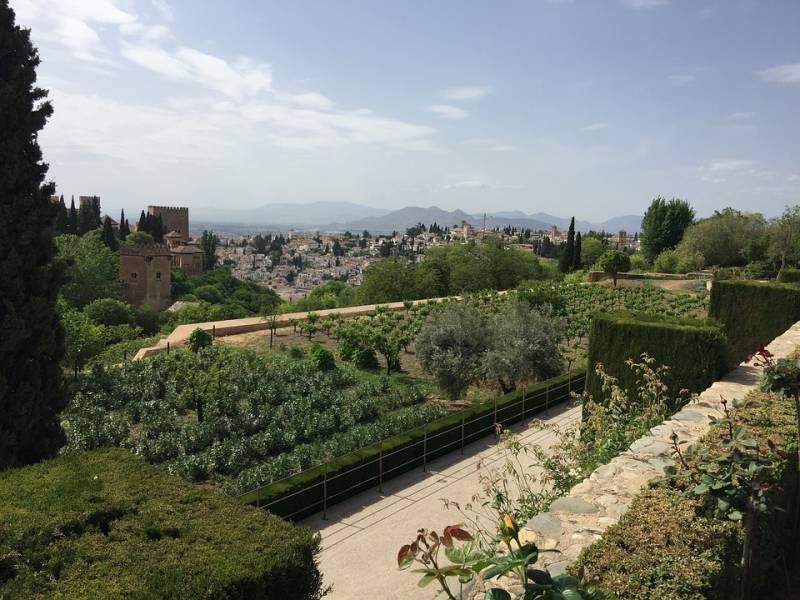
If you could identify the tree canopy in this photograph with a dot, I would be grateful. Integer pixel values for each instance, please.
(663, 225)
(723, 237)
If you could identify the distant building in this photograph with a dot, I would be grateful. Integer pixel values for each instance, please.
(188, 258)
(174, 218)
(145, 275)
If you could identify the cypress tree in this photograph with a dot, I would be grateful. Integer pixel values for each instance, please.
(157, 229)
(124, 228)
(72, 219)
(31, 385)
(576, 255)
(61, 216)
(568, 252)
(85, 218)
(108, 237)
(142, 225)
(97, 221)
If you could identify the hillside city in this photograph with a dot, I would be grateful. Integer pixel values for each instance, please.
(574, 377)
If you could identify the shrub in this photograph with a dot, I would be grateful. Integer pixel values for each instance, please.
(104, 524)
(296, 351)
(690, 261)
(209, 293)
(199, 339)
(753, 313)
(107, 311)
(666, 262)
(539, 293)
(639, 263)
(322, 358)
(614, 262)
(695, 351)
(787, 275)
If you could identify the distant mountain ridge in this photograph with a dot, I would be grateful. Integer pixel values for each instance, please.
(342, 216)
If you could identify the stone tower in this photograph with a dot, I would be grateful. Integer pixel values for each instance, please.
(175, 218)
(145, 275)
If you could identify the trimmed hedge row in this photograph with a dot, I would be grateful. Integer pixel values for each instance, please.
(694, 350)
(104, 524)
(345, 476)
(664, 547)
(753, 313)
(787, 275)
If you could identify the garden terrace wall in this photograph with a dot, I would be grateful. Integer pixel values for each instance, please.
(180, 335)
(695, 351)
(104, 524)
(581, 518)
(752, 313)
(315, 489)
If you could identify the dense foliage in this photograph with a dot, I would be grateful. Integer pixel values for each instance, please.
(663, 225)
(104, 524)
(236, 417)
(32, 343)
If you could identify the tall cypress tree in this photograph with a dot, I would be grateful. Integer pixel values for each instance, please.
(568, 252)
(72, 218)
(124, 228)
(97, 220)
(86, 221)
(576, 255)
(61, 216)
(108, 237)
(142, 224)
(157, 229)
(31, 385)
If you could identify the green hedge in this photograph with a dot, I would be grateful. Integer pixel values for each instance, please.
(345, 476)
(694, 350)
(664, 548)
(787, 275)
(104, 524)
(753, 313)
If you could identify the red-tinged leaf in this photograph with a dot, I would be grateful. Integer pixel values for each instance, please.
(447, 539)
(460, 534)
(405, 557)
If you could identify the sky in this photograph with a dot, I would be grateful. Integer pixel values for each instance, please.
(571, 107)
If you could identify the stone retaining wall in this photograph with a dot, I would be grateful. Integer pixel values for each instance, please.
(579, 519)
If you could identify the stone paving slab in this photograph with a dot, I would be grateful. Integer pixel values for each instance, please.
(359, 559)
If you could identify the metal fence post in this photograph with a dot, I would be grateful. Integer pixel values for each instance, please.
(380, 469)
(214, 331)
(325, 493)
(522, 415)
(167, 347)
(425, 452)
(495, 416)
(462, 433)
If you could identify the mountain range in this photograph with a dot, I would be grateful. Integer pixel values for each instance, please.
(342, 216)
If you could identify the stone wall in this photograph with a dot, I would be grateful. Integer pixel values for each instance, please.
(580, 518)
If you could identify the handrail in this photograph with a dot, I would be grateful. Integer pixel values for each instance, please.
(549, 393)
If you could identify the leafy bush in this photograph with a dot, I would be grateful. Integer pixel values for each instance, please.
(199, 339)
(614, 262)
(787, 275)
(209, 293)
(322, 358)
(695, 351)
(104, 524)
(108, 311)
(667, 262)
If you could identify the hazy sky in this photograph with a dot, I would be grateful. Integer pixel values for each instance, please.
(585, 107)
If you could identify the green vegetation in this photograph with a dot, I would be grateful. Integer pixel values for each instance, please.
(672, 545)
(726, 239)
(663, 226)
(753, 313)
(695, 351)
(614, 262)
(788, 275)
(235, 417)
(449, 270)
(31, 392)
(104, 524)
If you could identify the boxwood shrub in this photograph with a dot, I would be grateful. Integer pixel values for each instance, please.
(664, 548)
(104, 524)
(694, 350)
(787, 275)
(753, 313)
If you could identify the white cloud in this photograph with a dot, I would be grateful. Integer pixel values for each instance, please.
(491, 144)
(468, 184)
(681, 80)
(313, 100)
(782, 74)
(470, 92)
(596, 127)
(644, 3)
(721, 170)
(740, 116)
(447, 111)
(503, 148)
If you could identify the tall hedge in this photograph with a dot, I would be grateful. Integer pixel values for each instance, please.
(695, 351)
(104, 524)
(753, 313)
(787, 275)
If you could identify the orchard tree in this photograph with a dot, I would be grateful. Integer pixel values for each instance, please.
(663, 225)
(614, 262)
(451, 345)
(31, 382)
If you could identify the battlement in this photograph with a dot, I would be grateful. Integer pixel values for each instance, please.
(167, 209)
(143, 250)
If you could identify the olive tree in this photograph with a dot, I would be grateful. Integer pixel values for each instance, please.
(451, 346)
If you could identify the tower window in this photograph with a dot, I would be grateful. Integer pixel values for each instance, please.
(133, 275)
(158, 274)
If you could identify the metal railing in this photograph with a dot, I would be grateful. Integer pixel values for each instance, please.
(333, 484)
